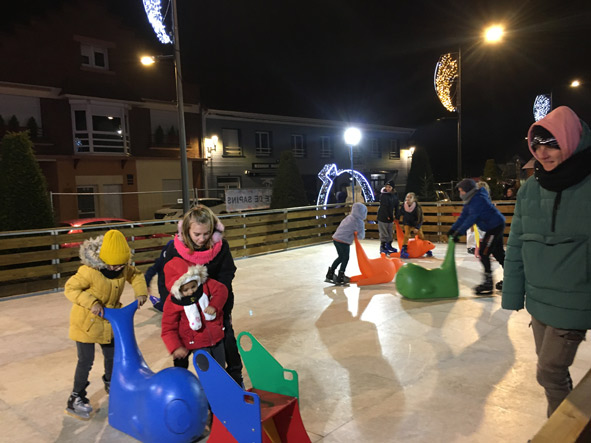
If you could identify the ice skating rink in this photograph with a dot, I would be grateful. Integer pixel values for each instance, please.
(373, 367)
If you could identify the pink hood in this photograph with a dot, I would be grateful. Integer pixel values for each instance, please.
(564, 125)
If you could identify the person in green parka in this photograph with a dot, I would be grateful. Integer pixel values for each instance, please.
(549, 248)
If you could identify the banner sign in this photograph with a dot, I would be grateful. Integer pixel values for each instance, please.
(244, 199)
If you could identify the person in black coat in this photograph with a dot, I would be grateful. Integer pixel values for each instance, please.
(387, 211)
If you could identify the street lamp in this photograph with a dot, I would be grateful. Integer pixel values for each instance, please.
(147, 60)
(352, 138)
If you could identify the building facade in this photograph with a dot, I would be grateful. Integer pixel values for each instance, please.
(243, 150)
(103, 124)
(105, 128)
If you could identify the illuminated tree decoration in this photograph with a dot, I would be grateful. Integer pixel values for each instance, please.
(327, 175)
(446, 74)
(153, 8)
(542, 105)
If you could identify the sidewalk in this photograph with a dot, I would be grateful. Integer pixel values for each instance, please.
(373, 367)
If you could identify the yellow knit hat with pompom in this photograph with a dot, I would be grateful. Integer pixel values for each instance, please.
(114, 250)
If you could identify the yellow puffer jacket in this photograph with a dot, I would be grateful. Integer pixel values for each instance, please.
(88, 286)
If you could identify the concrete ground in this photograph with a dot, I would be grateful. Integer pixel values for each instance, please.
(373, 366)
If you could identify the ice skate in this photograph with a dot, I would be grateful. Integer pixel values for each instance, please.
(390, 248)
(499, 285)
(78, 406)
(384, 248)
(342, 279)
(486, 287)
(329, 276)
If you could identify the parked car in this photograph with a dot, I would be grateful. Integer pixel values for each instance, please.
(217, 205)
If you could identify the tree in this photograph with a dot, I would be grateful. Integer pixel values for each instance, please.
(420, 177)
(33, 128)
(491, 176)
(13, 124)
(24, 200)
(288, 186)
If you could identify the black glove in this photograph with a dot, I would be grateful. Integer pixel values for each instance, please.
(455, 236)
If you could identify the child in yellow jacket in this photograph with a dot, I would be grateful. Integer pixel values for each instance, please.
(98, 284)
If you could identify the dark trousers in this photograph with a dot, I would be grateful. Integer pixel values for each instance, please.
(492, 243)
(343, 258)
(86, 360)
(216, 351)
(556, 350)
(233, 360)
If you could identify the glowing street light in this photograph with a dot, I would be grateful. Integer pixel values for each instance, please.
(575, 84)
(494, 34)
(352, 138)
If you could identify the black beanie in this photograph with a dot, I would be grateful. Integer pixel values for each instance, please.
(389, 183)
(466, 185)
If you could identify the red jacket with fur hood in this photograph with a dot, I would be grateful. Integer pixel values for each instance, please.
(177, 329)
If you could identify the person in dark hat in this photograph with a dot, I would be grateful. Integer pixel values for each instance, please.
(478, 209)
(387, 211)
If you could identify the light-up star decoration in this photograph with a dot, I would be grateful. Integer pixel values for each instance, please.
(327, 175)
(446, 73)
(153, 8)
(542, 105)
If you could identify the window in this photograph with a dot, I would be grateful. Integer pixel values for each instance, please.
(262, 142)
(94, 56)
(298, 146)
(375, 148)
(86, 201)
(99, 129)
(231, 141)
(394, 152)
(325, 147)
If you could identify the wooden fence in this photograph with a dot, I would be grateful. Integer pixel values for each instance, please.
(42, 260)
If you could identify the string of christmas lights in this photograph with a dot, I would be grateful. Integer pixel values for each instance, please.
(153, 8)
(446, 74)
(328, 174)
(542, 105)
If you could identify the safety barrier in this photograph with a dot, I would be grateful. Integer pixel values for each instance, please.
(42, 260)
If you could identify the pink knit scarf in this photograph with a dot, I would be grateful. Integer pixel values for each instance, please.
(410, 208)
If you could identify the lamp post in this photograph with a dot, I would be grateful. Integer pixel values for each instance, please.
(180, 109)
(449, 71)
(352, 138)
(150, 60)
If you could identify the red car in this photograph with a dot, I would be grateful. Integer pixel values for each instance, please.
(98, 223)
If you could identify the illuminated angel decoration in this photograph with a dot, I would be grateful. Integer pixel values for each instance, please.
(446, 74)
(327, 175)
(155, 18)
(542, 105)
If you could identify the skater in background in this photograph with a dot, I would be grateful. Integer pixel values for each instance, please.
(470, 234)
(193, 315)
(478, 209)
(411, 215)
(548, 251)
(342, 240)
(98, 284)
(387, 212)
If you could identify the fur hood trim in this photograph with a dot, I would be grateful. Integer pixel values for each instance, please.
(89, 252)
(196, 273)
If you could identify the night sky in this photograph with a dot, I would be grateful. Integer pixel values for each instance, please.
(373, 61)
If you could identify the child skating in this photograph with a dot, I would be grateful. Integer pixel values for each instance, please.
(98, 284)
(343, 239)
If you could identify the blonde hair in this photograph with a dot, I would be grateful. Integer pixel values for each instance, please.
(202, 215)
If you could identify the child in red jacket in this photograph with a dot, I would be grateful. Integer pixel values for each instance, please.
(193, 317)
